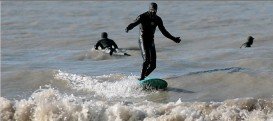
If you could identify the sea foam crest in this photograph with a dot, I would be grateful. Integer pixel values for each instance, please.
(50, 104)
(109, 86)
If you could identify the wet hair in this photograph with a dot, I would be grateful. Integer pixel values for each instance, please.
(104, 35)
(153, 6)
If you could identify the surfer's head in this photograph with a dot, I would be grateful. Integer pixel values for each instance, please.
(153, 8)
(104, 35)
(250, 40)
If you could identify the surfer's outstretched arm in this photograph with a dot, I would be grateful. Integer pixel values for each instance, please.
(166, 33)
(132, 25)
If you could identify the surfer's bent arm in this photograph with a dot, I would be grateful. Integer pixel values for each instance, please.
(164, 31)
(114, 44)
(132, 25)
(97, 45)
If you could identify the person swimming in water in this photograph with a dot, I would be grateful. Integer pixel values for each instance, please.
(249, 42)
(148, 22)
(106, 43)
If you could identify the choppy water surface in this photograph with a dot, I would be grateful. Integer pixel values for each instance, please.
(49, 70)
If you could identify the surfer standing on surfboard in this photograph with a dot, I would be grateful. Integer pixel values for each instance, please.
(148, 22)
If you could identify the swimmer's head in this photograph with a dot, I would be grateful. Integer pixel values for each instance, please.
(104, 35)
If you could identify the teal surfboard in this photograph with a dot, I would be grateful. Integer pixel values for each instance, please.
(153, 83)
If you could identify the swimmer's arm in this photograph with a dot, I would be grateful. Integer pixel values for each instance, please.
(243, 45)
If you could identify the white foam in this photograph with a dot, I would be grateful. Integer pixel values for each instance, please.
(6, 109)
(109, 86)
(50, 104)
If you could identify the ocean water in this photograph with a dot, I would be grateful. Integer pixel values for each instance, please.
(49, 70)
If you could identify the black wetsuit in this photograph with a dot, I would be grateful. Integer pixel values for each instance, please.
(148, 24)
(106, 43)
(249, 42)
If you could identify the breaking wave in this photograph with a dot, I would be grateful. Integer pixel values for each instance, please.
(50, 104)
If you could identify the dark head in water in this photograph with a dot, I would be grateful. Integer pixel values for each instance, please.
(153, 8)
(249, 42)
(104, 35)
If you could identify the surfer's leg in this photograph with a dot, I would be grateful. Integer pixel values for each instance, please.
(146, 63)
(152, 61)
(144, 70)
